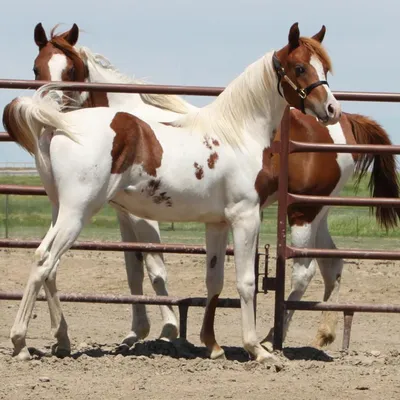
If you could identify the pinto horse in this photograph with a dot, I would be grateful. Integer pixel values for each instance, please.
(60, 59)
(96, 155)
(325, 174)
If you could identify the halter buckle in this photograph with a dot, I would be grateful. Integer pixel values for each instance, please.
(302, 93)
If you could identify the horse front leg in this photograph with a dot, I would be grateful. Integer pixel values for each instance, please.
(245, 231)
(216, 241)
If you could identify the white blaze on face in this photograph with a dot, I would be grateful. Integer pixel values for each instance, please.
(330, 99)
(57, 64)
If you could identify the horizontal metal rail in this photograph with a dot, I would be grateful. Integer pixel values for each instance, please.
(129, 299)
(5, 137)
(363, 254)
(114, 87)
(303, 147)
(22, 190)
(307, 147)
(309, 200)
(117, 246)
(177, 89)
(318, 306)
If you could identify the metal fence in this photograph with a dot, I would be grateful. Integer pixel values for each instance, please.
(284, 251)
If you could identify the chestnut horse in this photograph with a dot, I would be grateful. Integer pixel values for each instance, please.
(151, 169)
(60, 59)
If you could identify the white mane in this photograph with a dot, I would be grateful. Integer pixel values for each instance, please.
(243, 101)
(102, 64)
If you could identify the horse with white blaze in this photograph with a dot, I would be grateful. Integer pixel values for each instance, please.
(207, 166)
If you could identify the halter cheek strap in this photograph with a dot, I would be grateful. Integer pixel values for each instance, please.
(303, 93)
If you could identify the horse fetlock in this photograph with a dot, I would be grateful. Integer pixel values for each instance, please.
(169, 332)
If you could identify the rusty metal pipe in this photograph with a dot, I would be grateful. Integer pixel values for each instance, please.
(117, 246)
(344, 307)
(178, 90)
(363, 254)
(281, 233)
(308, 200)
(303, 147)
(347, 324)
(22, 190)
(129, 299)
(113, 87)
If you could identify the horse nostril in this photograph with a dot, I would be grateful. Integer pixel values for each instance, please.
(331, 110)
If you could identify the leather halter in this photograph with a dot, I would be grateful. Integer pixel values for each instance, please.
(303, 93)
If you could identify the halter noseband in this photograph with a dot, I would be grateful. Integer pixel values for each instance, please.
(303, 93)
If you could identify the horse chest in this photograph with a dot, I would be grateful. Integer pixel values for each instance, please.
(266, 182)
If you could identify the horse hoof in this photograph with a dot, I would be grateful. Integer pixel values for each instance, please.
(218, 354)
(123, 348)
(169, 333)
(22, 355)
(270, 359)
(60, 352)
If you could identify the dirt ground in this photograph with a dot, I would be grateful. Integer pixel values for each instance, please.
(153, 370)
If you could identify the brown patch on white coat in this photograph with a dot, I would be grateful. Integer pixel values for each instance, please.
(318, 173)
(199, 171)
(134, 143)
(212, 160)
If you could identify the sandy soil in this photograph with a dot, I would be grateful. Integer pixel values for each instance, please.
(154, 370)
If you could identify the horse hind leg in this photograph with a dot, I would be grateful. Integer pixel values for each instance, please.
(59, 328)
(135, 229)
(140, 326)
(331, 271)
(67, 228)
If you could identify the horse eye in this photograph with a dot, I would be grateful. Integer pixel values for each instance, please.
(299, 69)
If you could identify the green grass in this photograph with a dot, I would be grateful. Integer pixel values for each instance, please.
(29, 216)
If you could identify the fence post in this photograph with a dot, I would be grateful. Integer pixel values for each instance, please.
(281, 231)
(6, 212)
(357, 227)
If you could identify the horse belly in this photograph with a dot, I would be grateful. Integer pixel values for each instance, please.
(154, 202)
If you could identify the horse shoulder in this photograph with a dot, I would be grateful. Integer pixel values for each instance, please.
(135, 143)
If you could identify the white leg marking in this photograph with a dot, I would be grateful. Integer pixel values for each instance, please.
(135, 229)
(66, 230)
(245, 230)
(59, 325)
(216, 241)
(331, 271)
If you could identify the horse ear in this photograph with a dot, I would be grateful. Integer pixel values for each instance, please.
(320, 35)
(73, 35)
(40, 36)
(294, 35)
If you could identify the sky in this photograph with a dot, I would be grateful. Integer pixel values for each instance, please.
(203, 42)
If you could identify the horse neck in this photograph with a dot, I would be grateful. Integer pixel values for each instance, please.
(98, 74)
(251, 104)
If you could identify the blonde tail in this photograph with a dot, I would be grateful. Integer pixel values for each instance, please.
(25, 117)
